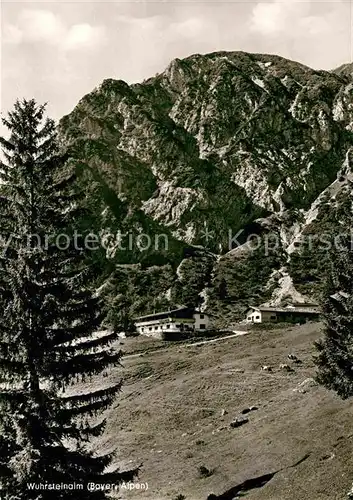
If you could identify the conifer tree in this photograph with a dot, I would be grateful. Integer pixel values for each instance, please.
(335, 350)
(48, 325)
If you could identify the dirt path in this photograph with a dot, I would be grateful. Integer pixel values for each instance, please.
(236, 334)
(202, 342)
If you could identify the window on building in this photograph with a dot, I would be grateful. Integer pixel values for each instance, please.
(202, 316)
(272, 317)
(167, 326)
(150, 328)
(142, 329)
(257, 317)
(156, 327)
(202, 326)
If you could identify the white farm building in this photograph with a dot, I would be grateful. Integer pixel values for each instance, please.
(172, 323)
(299, 313)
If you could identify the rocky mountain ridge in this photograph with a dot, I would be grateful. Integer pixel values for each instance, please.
(217, 145)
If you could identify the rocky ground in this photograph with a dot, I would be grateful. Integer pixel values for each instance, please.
(232, 417)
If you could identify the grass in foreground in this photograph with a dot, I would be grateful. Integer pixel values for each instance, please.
(177, 405)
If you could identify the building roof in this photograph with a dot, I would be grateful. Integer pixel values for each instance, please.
(286, 309)
(300, 305)
(340, 295)
(162, 313)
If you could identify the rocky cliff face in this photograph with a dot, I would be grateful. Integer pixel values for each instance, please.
(216, 145)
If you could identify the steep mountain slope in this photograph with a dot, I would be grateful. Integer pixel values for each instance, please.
(217, 145)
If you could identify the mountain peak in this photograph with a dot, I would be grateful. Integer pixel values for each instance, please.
(216, 144)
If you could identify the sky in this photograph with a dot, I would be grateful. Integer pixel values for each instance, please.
(59, 51)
